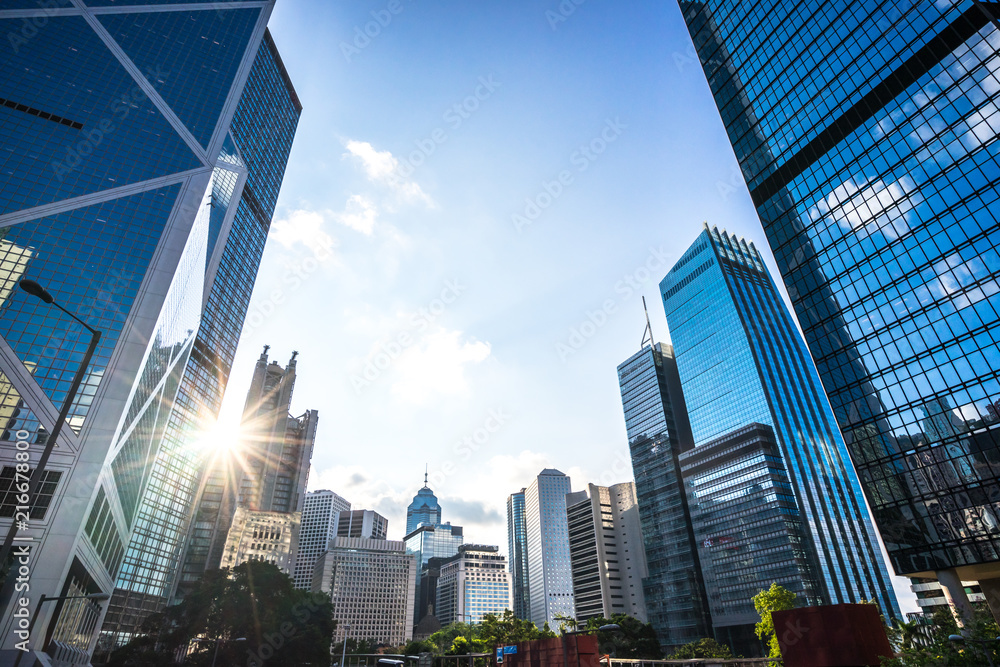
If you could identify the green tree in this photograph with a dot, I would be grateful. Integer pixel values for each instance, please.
(703, 648)
(507, 629)
(939, 651)
(254, 611)
(634, 639)
(444, 638)
(776, 598)
(566, 623)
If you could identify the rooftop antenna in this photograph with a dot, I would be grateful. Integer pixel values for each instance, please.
(425, 475)
(647, 334)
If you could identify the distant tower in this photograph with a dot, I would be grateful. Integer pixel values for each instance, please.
(276, 446)
(424, 510)
(320, 514)
(549, 569)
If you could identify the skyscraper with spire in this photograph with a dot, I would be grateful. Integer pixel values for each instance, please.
(424, 510)
(428, 537)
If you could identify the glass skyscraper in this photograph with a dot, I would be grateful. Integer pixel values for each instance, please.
(550, 572)
(742, 361)
(658, 432)
(867, 135)
(424, 510)
(517, 543)
(131, 140)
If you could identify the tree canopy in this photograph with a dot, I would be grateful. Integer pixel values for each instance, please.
(776, 598)
(635, 639)
(934, 649)
(253, 613)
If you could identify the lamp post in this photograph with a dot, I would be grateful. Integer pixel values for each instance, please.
(36, 290)
(96, 597)
(959, 639)
(218, 640)
(343, 652)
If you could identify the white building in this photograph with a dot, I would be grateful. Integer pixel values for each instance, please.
(606, 552)
(371, 584)
(550, 576)
(319, 526)
(472, 584)
(271, 537)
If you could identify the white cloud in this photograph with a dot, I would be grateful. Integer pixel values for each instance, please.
(382, 167)
(870, 206)
(359, 214)
(436, 366)
(305, 227)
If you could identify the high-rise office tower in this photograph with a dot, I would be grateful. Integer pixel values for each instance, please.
(517, 543)
(549, 570)
(606, 552)
(320, 511)
(427, 542)
(269, 472)
(748, 529)
(875, 174)
(473, 583)
(277, 447)
(249, 175)
(658, 431)
(134, 140)
(741, 361)
(424, 510)
(371, 584)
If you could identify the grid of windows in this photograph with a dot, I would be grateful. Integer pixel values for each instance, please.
(549, 571)
(39, 502)
(517, 540)
(885, 234)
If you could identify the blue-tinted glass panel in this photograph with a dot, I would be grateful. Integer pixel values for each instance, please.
(190, 57)
(92, 261)
(80, 123)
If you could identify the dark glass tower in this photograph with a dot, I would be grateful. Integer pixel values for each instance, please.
(658, 432)
(517, 541)
(121, 181)
(872, 159)
(742, 361)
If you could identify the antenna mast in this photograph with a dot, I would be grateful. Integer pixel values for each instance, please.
(647, 334)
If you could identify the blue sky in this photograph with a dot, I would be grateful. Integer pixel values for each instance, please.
(477, 198)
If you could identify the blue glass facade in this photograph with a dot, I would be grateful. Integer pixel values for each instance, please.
(181, 474)
(111, 196)
(658, 432)
(748, 529)
(741, 361)
(871, 156)
(517, 544)
(424, 510)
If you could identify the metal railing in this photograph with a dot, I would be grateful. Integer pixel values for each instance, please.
(693, 662)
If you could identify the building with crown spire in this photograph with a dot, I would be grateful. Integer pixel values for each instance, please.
(427, 537)
(424, 510)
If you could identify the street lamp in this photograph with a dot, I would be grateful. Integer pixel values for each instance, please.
(96, 597)
(343, 653)
(218, 640)
(36, 290)
(959, 639)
